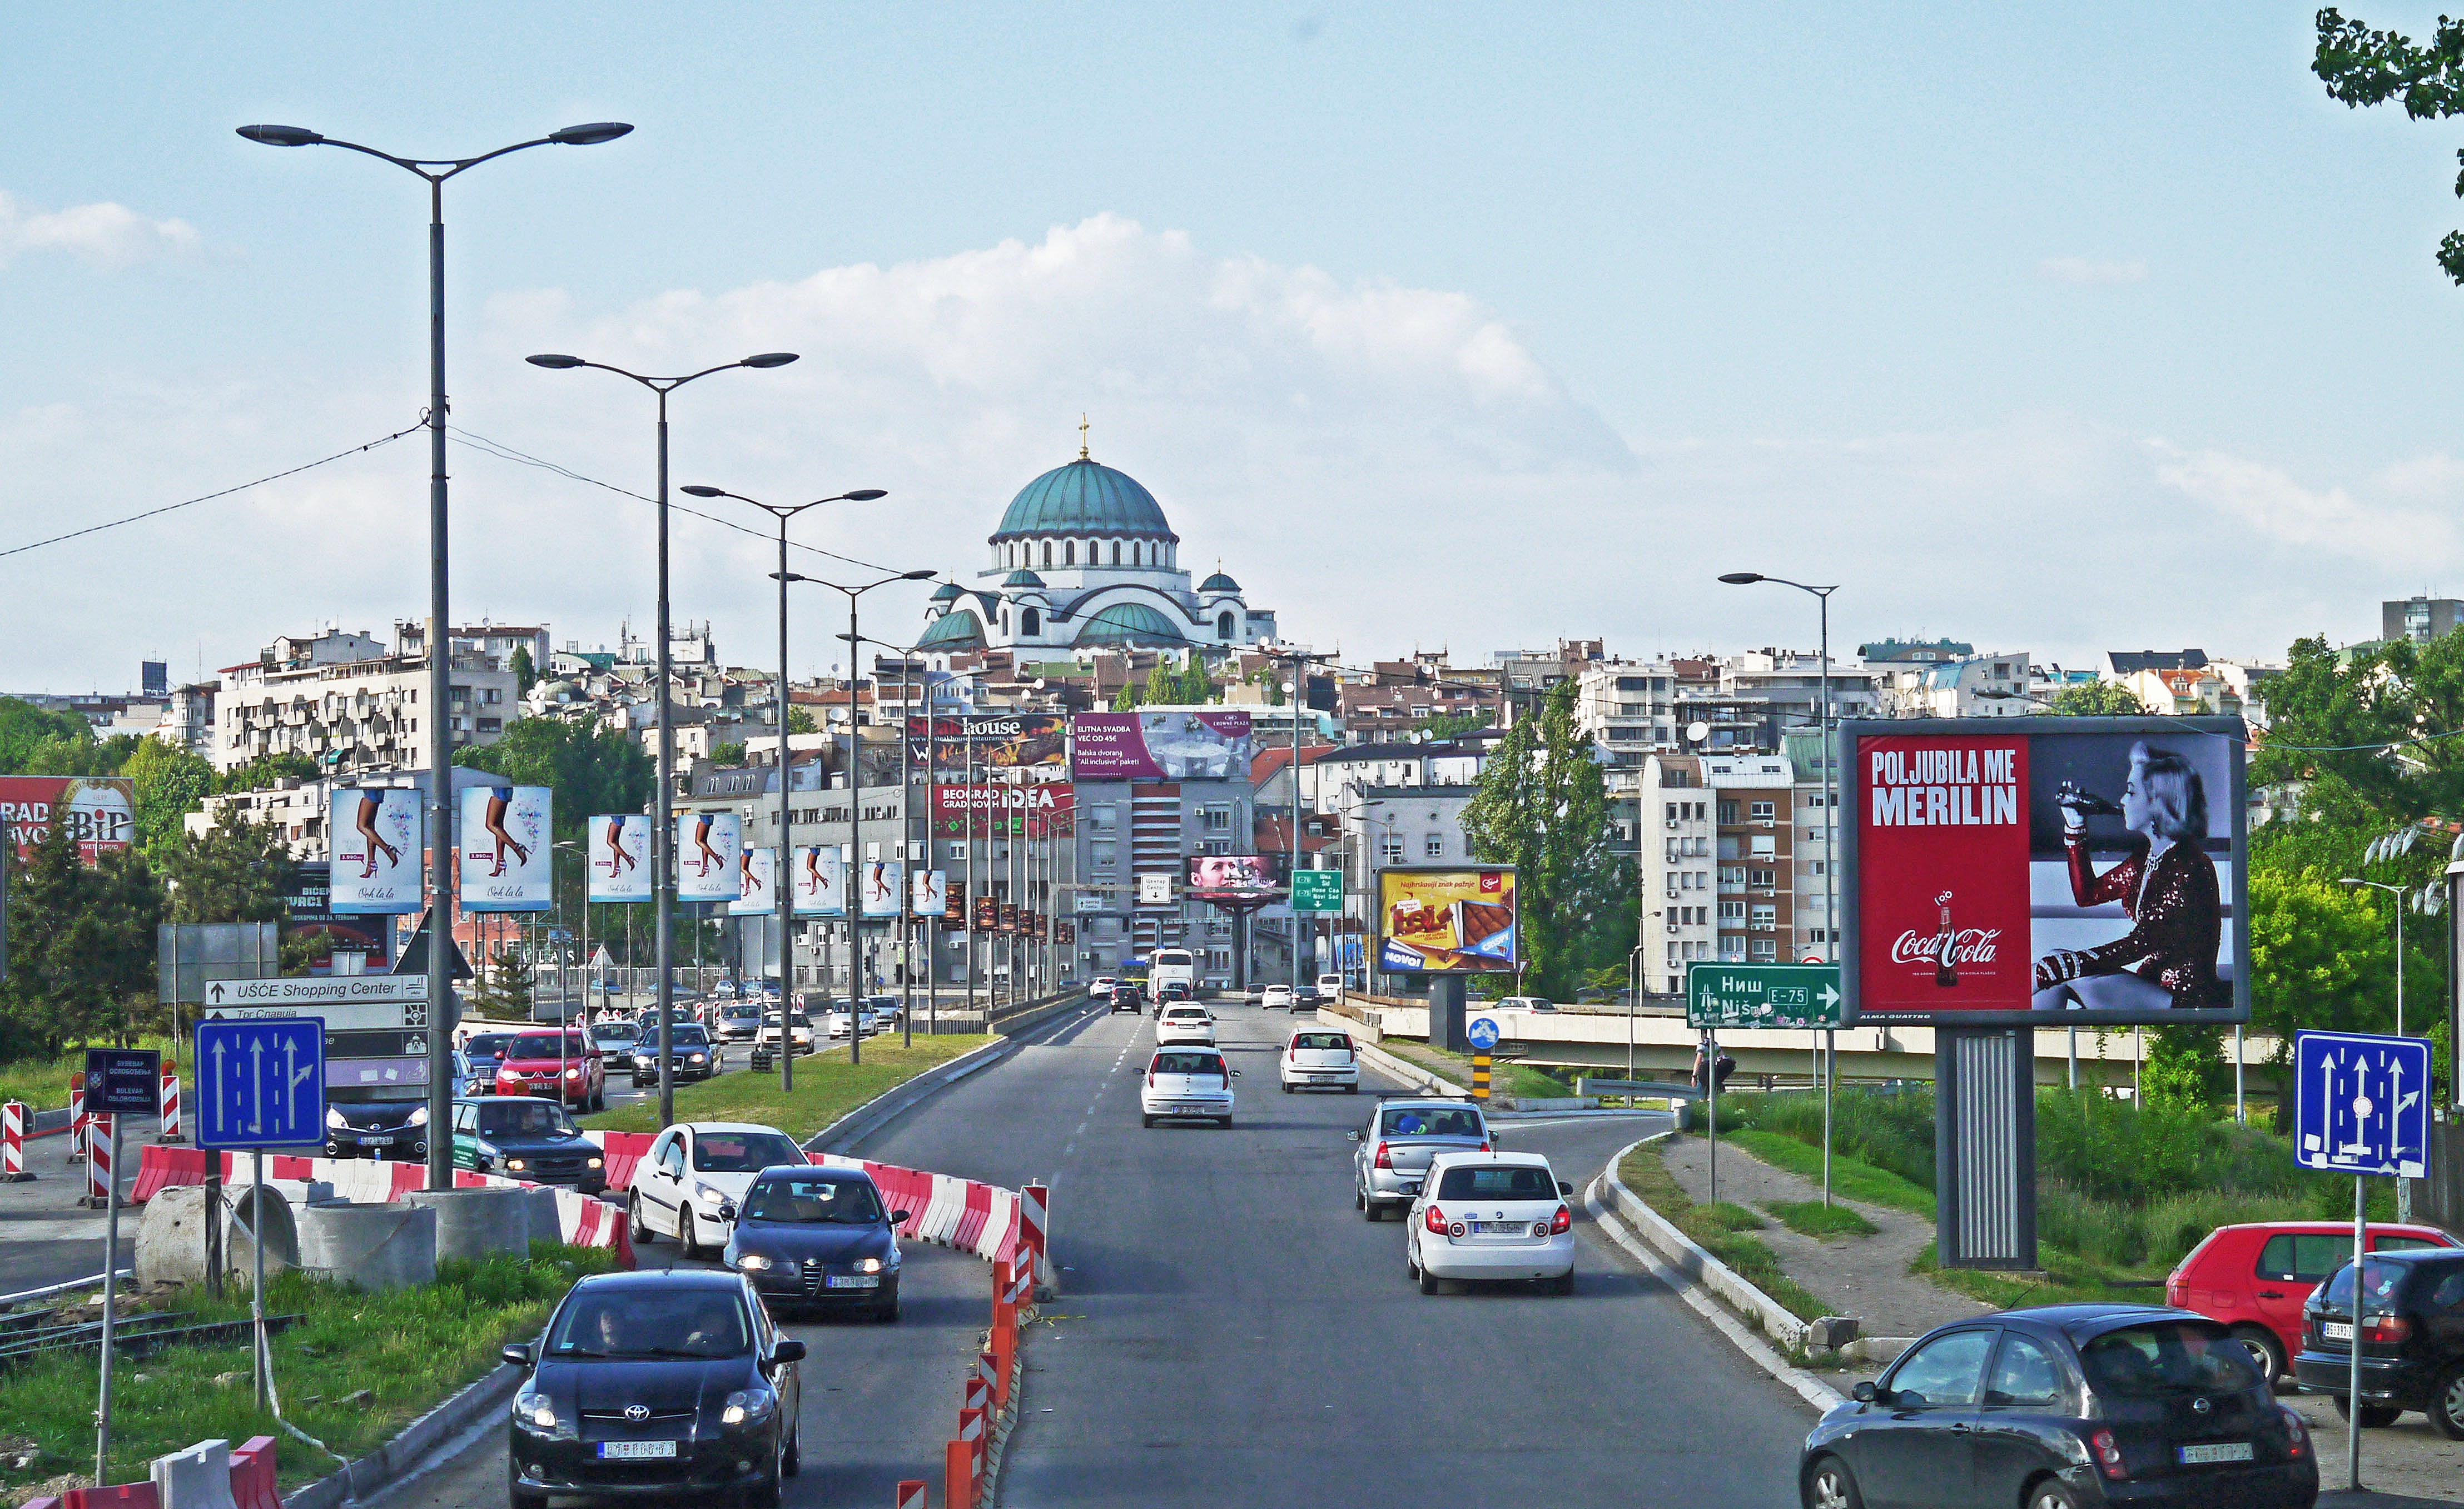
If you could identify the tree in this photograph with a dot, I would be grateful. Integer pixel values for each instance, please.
(1126, 700)
(526, 673)
(1197, 687)
(1271, 677)
(266, 770)
(727, 753)
(1163, 683)
(24, 726)
(800, 721)
(234, 871)
(169, 784)
(2362, 67)
(1542, 806)
(503, 988)
(2098, 699)
(81, 946)
(1443, 726)
(590, 770)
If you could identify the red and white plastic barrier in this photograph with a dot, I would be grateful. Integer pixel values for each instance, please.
(12, 1141)
(253, 1486)
(1035, 1219)
(97, 1159)
(911, 1494)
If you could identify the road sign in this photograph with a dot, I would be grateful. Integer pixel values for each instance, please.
(261, 1083)
(1762, 996)
(293, 995)
(123, 1081)
(2360, 1104)
(1483, 1033)
(375, 1016)
(1317, 890)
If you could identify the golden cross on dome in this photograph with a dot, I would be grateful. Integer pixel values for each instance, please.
(1082, 438)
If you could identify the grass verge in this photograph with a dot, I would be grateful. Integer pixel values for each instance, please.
(1820, 1221)
(1711, 1229)
(2066, 1279)
(1852, 1177)
(827, 1086)
(1518, 1080)
(408, 1350)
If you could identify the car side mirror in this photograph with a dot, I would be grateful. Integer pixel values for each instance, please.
(788, 1351)
(1236, 1074)
(1565, 1189)
(899, 1217)
(517, 1353)
(1352, 1136)
(727, 1210)
(1866, 1392)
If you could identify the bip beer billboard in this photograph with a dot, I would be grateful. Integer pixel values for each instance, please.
(2067, 871)
(708, 844)
(373, 833)
(98, 811)
(620, 856)
(506, 848)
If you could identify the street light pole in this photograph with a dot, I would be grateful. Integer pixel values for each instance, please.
(663, 835)
(440, 635)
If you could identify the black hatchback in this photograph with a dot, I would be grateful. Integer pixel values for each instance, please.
(2412, 1338)
(2060, 1408)
(673, 1382)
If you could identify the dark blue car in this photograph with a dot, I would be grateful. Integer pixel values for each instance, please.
(818, 1237)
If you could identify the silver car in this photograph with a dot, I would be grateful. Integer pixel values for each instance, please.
(1404, 1132)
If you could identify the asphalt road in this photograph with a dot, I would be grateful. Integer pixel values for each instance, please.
(1230, 1332)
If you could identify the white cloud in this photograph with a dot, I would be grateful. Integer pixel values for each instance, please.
(106, 234)
(2091, 271)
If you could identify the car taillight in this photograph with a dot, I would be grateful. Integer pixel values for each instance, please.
(2387, 1329)
(2297, 1434)
(2109, 1453)
(1384, 1159)
(1561, 1223)
(1483, 1147)
(1435, 1220)
(2176, 1292)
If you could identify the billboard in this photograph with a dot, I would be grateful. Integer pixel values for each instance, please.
(821, 880)
(1008, 917)
(620, 856)
(987, 914)
(954, 919)
(373, 833)
(962, 812)
(707, 844)
(1233, 878)
(505, 841)
(757, 880)
(309, 900)
(885, 888)
(2069, 871)
(952, 749)
(1447, 921)
(1161, 746)
(98, 811)
(932, 893)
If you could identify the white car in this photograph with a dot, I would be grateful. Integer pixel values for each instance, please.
(1491, 1216)
(1276, 997)
(1538, 1003)
(1184, 1022)
(689, 1182)
(1317, 1059)
(1330, 986)
(1190, 1083)
(1101, 987)
(800, 1032)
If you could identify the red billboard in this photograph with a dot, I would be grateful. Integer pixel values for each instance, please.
(1943, 869)
(98, 811)
(980, 811)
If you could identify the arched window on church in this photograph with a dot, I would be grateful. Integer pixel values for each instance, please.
(1004, 620)
(1138, 552)
(1223, 625)
(1116, 553)
(1030, 622)
(1070, 553)
(1047, 553)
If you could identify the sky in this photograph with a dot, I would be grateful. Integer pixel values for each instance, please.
(2051, 329)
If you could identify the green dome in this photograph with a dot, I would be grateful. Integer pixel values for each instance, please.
(1218, 582)
(1129, 623)
(956, 629)
(1085, 498)
(948, 591)
(1022, 577)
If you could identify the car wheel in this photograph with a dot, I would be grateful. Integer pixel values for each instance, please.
(2447, 1402)
(515, 1497)
(2374, 1417)
(1147, 1121)
(1287, 1086)
(1359, 1201)
(1428, 1281)
(1411, 1260)
(886, 1312)
(1831, 1485)
(792, 1461)
(1354, 1088)
(1563, 1283)
(2051, 1493)
(766, 1493)
(636, 1227)
(687, 1238)
(1225, 1124)
(2267, 1348)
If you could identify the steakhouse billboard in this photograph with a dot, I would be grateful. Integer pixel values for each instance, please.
(2059, 871)
(957, 748)
(98, 811)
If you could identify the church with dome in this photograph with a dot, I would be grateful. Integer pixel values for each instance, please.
(1084, 560)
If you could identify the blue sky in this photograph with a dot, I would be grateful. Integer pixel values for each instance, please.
(1470, 327)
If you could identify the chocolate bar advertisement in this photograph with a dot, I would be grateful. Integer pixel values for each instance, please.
(1448, 921)
(2069, 871)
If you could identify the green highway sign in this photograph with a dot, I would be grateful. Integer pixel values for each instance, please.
(1317, 890)
(1762, 996)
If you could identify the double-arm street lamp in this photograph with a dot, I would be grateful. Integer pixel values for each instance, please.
(663, 836)
(440, 629)
(780, 882)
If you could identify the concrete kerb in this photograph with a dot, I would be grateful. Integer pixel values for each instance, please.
(1697, 1276)
(408, 1449)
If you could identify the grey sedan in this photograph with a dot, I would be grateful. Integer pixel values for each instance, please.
(1394, 1148)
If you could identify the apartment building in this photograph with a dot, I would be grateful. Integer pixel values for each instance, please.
(1675, 848)
(1996, 686)
(1752, 798)
(345, 701)
(1628, 710)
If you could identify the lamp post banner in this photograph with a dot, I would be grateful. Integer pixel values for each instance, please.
(503, 848)
(708, 844)
(884, 885)
(620, 852)
(756, 879)
(932, 890)
(373, 832)
(821, 880)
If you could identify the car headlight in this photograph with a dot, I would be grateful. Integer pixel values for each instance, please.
(869, 1265)
(747, 1404)
(333, 1119)
(706, 1192)
(754, 1262)
(535, 1411)
(418, 1118)
(515, 1164)
(573, 1074)
(598, 1163)
(695, 1059)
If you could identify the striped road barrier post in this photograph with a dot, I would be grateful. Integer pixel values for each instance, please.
(76, 1117)
(1035, 1210)
(98, 1162)
(911, 1494)
(13, 1143)
(1002, 1283)
(980, 1392)
(959, 1476)
(1005, 1351)
(170, 1102)
(971, 1429)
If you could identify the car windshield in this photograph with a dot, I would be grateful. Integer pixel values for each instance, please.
(743, 1152)
(1497, 1184)
(488, 1045)
(613, 1032)
(631, 1322)
(528, 1119)
(1429, 1121)
(683, 1037)
(813, 1201)
(544, 1045)
(2379, 1282)
(1187, 1063)
(740, 1012)
(1321, 1040)
(2167, 1357)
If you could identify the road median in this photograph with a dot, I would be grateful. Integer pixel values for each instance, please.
(827, 1087)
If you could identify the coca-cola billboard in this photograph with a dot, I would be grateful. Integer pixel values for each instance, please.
(2068, 871)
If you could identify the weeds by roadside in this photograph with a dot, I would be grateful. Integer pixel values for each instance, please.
(1815, 1219)
(1712, 1230)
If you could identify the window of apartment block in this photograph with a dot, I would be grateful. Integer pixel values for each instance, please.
(1766, 950)
(1100, 815)
(1674, 954)
(1727, 812)
(957, 847)
(1766, 917)
(1763, 811)
(1762, 847)
(1390, 849)
(1762, 879)
(1437, 846)
(1732, 911)
(1732, 875)
(1218, 820)
(1733, 949)
(1104, 856)
(1672, 810)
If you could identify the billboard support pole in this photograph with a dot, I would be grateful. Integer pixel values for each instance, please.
(1985, 1148)
(1446, 1014)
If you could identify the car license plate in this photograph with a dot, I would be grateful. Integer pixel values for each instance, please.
(2228, 1452)
(856, 1280)
(378, 1142)
(2337, 1330)
(635, 1451)
(1199, 1110)
(1324, 1079)
(1499, 1228)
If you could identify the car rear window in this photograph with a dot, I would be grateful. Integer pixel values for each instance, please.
(2167, 1357)
(743, 1152)
(488, 1044)
(627, 1322)
(2379, 1282)
(1321, 1040)
(544, 1045)
(1524, 1183)
(1187, 1063)
(1427, 1121)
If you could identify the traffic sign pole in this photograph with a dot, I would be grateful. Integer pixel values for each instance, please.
(1711, 1101)
(2353, 1385)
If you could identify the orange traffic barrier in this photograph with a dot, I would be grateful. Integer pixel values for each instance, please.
(959, 1476)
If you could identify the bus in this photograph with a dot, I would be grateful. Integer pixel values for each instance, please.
(1173, 966)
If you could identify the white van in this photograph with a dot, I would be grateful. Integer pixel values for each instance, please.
(1330, 986)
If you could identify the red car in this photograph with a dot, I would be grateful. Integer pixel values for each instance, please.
(535, 1061)
(2255, 1278)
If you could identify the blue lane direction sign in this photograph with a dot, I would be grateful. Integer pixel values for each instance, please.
(1483, 1033)
(123, 1081)
(261, 1083)
(2360, 1104)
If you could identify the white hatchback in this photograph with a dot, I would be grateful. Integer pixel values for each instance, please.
(1316, 1059)
(1277, 997)
(1184, 1022)
(1190, 1083)
(689, 1183)
(1491, 1216)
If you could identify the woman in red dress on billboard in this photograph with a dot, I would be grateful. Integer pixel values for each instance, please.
(2168, 890)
